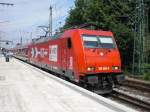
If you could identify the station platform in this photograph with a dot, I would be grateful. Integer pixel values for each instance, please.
(24, 88)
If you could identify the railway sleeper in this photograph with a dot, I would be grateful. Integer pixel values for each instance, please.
(132, 100)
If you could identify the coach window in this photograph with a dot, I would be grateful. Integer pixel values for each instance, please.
(69, 44)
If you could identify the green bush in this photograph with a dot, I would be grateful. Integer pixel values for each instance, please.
(146, 76)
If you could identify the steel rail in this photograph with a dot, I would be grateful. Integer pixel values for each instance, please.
(139, 85)
(131, 100)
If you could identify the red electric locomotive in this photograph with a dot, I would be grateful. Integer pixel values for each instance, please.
(88, 57)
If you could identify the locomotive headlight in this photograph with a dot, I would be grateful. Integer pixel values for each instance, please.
(90, 68)
(115, 68)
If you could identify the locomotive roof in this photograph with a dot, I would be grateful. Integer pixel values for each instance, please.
(45, 39)
(67, 32)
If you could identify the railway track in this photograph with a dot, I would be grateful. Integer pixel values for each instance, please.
(131, 99)
(134, 92)
(137, 84)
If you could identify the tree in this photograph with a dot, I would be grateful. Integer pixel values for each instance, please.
(109, 15)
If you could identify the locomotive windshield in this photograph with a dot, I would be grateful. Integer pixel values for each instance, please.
(91, 41)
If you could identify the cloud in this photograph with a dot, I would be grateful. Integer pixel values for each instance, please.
(26, 15)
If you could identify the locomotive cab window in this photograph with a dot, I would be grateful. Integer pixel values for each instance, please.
(69, 44)
(107, 42)
(92, 41)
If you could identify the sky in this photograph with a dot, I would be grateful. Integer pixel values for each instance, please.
(26, 15)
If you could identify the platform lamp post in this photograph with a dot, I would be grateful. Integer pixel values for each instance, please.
(50, 21)
(1, 22)
(5, 4)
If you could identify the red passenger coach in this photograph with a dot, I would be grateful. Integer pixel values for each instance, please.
(21, 52)
(88, 57)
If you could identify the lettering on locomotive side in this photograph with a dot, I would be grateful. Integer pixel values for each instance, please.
(43, 52)
(53, 53)
(71, 63)
(33, 52)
